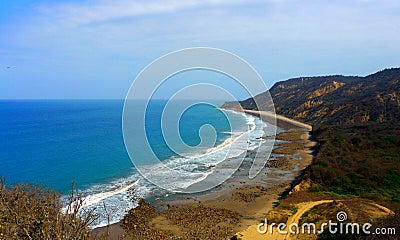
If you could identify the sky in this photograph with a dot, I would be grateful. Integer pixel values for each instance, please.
(96, 48)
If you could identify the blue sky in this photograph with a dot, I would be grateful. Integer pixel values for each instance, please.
(94, 49)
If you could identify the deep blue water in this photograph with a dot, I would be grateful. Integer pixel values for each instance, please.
(59, 141)
(56, 142)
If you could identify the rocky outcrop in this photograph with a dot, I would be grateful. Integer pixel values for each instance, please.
(334, 99)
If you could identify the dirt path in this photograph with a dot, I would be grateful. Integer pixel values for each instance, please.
(251, 233)
(303, 208)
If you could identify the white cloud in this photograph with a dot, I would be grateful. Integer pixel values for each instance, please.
(92, 12)
(284, 38)
(102, 29)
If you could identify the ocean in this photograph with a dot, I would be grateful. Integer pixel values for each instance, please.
(57, 142)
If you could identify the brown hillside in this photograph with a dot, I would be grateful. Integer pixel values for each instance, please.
(336, 99)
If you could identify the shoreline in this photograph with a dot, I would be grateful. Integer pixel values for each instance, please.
(250, 198)
(281, 121)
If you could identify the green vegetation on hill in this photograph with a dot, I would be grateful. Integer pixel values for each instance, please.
(361, 160)
(356, 123)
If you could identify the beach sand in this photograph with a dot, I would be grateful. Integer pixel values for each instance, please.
(240, 201)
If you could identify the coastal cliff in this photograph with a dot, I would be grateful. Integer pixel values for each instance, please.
(355, 166)
(335, 99)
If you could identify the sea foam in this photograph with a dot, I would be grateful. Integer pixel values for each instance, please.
(199, 165)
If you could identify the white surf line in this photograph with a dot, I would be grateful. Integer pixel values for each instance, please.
(225, 143)
(232, 141)
(280, 117)
(92, 199)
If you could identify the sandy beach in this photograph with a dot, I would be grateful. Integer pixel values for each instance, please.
(233, 206)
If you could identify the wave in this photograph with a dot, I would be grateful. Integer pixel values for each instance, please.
(225, 143)
(92, 199)
(213, 156)
(200, 166)
(228, 132)
(253, 141)
(196, 167)
(95, 198)
(233, 111)
(250, 120)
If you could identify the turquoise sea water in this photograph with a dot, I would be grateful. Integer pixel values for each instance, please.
(55, 142)
(59, 141)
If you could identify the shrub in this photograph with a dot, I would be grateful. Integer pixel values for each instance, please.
(360, 160)
(30, 211)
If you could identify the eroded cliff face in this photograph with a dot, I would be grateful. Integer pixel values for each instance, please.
(336, 99)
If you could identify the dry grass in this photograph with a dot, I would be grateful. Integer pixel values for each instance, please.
(34, 212)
